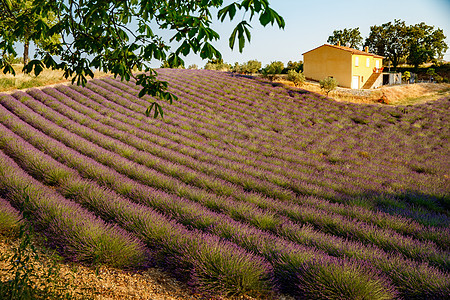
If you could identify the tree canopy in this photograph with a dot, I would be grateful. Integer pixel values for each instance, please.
(425, 44)
(418, 43)
(273, 69)
(250, 67)
(21, 11)
(347, 37)
(389, 40)
(119, 36)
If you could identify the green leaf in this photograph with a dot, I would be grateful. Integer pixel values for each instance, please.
(38, 69)
(240, 32)
(241, 42)
(142, 92)
(149, 109)
(266, 17)
(9, 69)
(230, 10)
(233, 37)
(160, 111)
(257, 6)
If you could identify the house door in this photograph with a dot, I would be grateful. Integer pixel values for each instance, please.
(355, 82)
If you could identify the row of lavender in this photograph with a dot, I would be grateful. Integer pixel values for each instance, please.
(209, 207)
(48, 171)
(322, 185)
(438, 123)
(262, 219)
(175, 240)
(342, 226)
(434, 184)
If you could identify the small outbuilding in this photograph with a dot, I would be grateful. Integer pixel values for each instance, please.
(351, 68)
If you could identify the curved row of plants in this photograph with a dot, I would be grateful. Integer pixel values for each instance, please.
(436, 235)
(365, 214)
(433, 181)
(287, 259)
(216, 267)
(326, 109)
(334, 224)
(335, 178)
(205, 207)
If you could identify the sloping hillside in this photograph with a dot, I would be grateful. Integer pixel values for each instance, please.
(242, 189)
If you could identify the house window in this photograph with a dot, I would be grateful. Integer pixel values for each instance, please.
(367, 62)
(356, 61)
(377, 64)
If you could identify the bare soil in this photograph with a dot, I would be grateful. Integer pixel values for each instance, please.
(105, 283)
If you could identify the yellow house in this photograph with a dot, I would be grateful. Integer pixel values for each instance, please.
(351, 68)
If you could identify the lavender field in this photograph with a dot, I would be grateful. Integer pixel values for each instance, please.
(242, 187)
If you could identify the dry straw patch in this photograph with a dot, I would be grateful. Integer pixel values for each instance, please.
(8, 82)
(415, 93)
(405, 94)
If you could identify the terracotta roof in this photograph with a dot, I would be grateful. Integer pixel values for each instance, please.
(348, 49)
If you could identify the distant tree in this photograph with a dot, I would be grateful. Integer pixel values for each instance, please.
(215, 61)
(193, 67)
(425, 44)
(347, 37)
(439, 78)
(328, 84)
(23, 13)
(170, 65)
(236, 68)
(273, 69)
(296, 66)
(12, 59)
(217, 65)
(298, 78)
(251, 67)
(389, 40)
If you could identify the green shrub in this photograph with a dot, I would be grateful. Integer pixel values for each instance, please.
(296, 77)
(33, 277)
(296, 66)
(328, 84)
(217, 65)
(251, 67)
(10, 220)
(439, 78)
(271, 71)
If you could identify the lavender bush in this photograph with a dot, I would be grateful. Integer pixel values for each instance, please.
(252, 187)
(10, 219)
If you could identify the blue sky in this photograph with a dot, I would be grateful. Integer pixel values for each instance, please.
(310, 23)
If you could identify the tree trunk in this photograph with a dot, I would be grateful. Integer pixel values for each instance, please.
(395, 61)
(26, 47)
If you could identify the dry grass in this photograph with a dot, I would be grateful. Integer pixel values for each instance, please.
(9, 82)
(105, 283)
(405, 94)
(415, 93)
